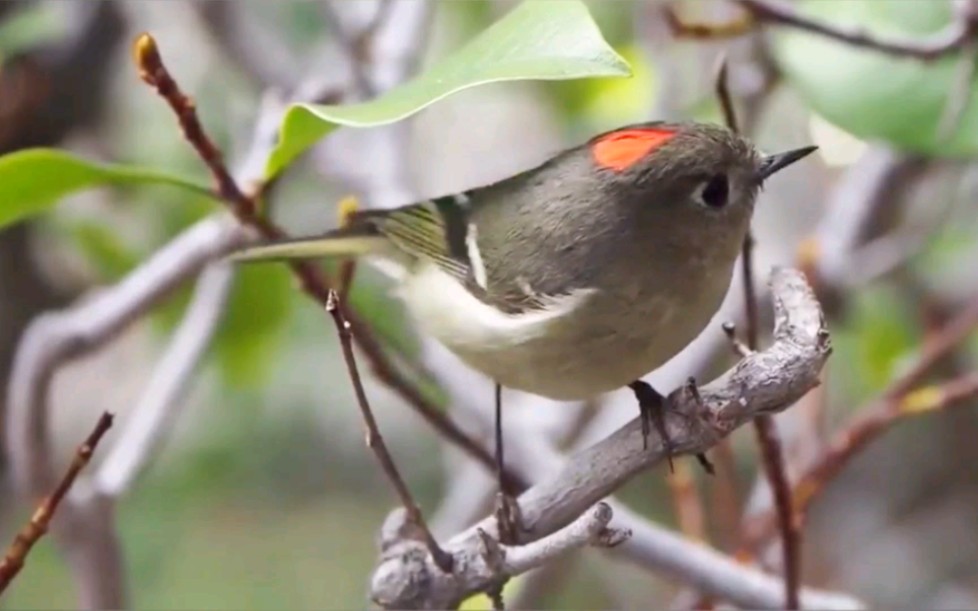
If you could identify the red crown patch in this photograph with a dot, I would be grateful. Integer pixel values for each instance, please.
(620, 150)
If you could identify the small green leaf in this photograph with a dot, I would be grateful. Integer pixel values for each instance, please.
(535, 41)
(872, 95)
(256, 318)
(33, 180)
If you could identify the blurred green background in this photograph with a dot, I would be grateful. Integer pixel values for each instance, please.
(265, 496)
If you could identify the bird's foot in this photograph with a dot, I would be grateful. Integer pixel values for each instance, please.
(651, 407)
(509, 519)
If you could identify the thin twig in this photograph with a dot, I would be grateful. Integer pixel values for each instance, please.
(853, 438)
(86, 531)
(898, 400)
(873, 421)
(936, 348)
(16, 555)
(375, 440)
(764, 425)
(739, 348)
(311, 279)
(154, 73)
(931, 47)
(951, 39)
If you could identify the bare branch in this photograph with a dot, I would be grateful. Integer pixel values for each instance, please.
(375, 440)
(57, 338)
(154, 415)
(934, 46)
(591, 528)
(16, 555)
(953, 38)
(311, 279)
(244, 206)
(491, 563)
(763, 383)
(939, 345)
(711, 572)
(897, 401)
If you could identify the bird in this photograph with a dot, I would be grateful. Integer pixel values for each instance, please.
(580, 275)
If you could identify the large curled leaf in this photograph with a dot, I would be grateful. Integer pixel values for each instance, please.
(33, 180)
(535, 41)
(870, 94)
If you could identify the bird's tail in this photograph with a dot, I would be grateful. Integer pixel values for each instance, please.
(356, 240)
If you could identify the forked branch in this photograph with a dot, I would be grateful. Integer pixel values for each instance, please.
(765, 382)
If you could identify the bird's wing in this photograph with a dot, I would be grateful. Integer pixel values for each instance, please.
(437, 230)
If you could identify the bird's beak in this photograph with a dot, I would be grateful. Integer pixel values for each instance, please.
(773, 163)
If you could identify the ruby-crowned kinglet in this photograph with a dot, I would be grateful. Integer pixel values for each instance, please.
(581, 275)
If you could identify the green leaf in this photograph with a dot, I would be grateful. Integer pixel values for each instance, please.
(33, 180)
(103, 248)
(870, 94)
(256, 318)
(880, 331)
(535, 41)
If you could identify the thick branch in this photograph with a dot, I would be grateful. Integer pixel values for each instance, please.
(763, 383)
(57, 338)
(153, 417)
(52, 340)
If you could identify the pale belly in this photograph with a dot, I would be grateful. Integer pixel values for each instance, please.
(578, 351)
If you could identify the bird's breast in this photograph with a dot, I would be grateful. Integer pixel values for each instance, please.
(586, 343)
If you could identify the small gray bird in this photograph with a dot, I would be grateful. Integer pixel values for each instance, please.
(581, 275)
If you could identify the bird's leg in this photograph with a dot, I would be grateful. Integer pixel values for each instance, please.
(651, 406)
(508, 519)
(694, 392)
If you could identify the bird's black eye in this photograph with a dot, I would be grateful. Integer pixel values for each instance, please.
(715, 191)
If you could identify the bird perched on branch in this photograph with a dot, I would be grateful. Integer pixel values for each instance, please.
(581, 275)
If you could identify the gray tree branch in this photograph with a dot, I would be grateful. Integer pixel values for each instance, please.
(156, 412)
(762, 383)
(85, 528)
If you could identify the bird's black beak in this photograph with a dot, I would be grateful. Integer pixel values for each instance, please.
(773, 163)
